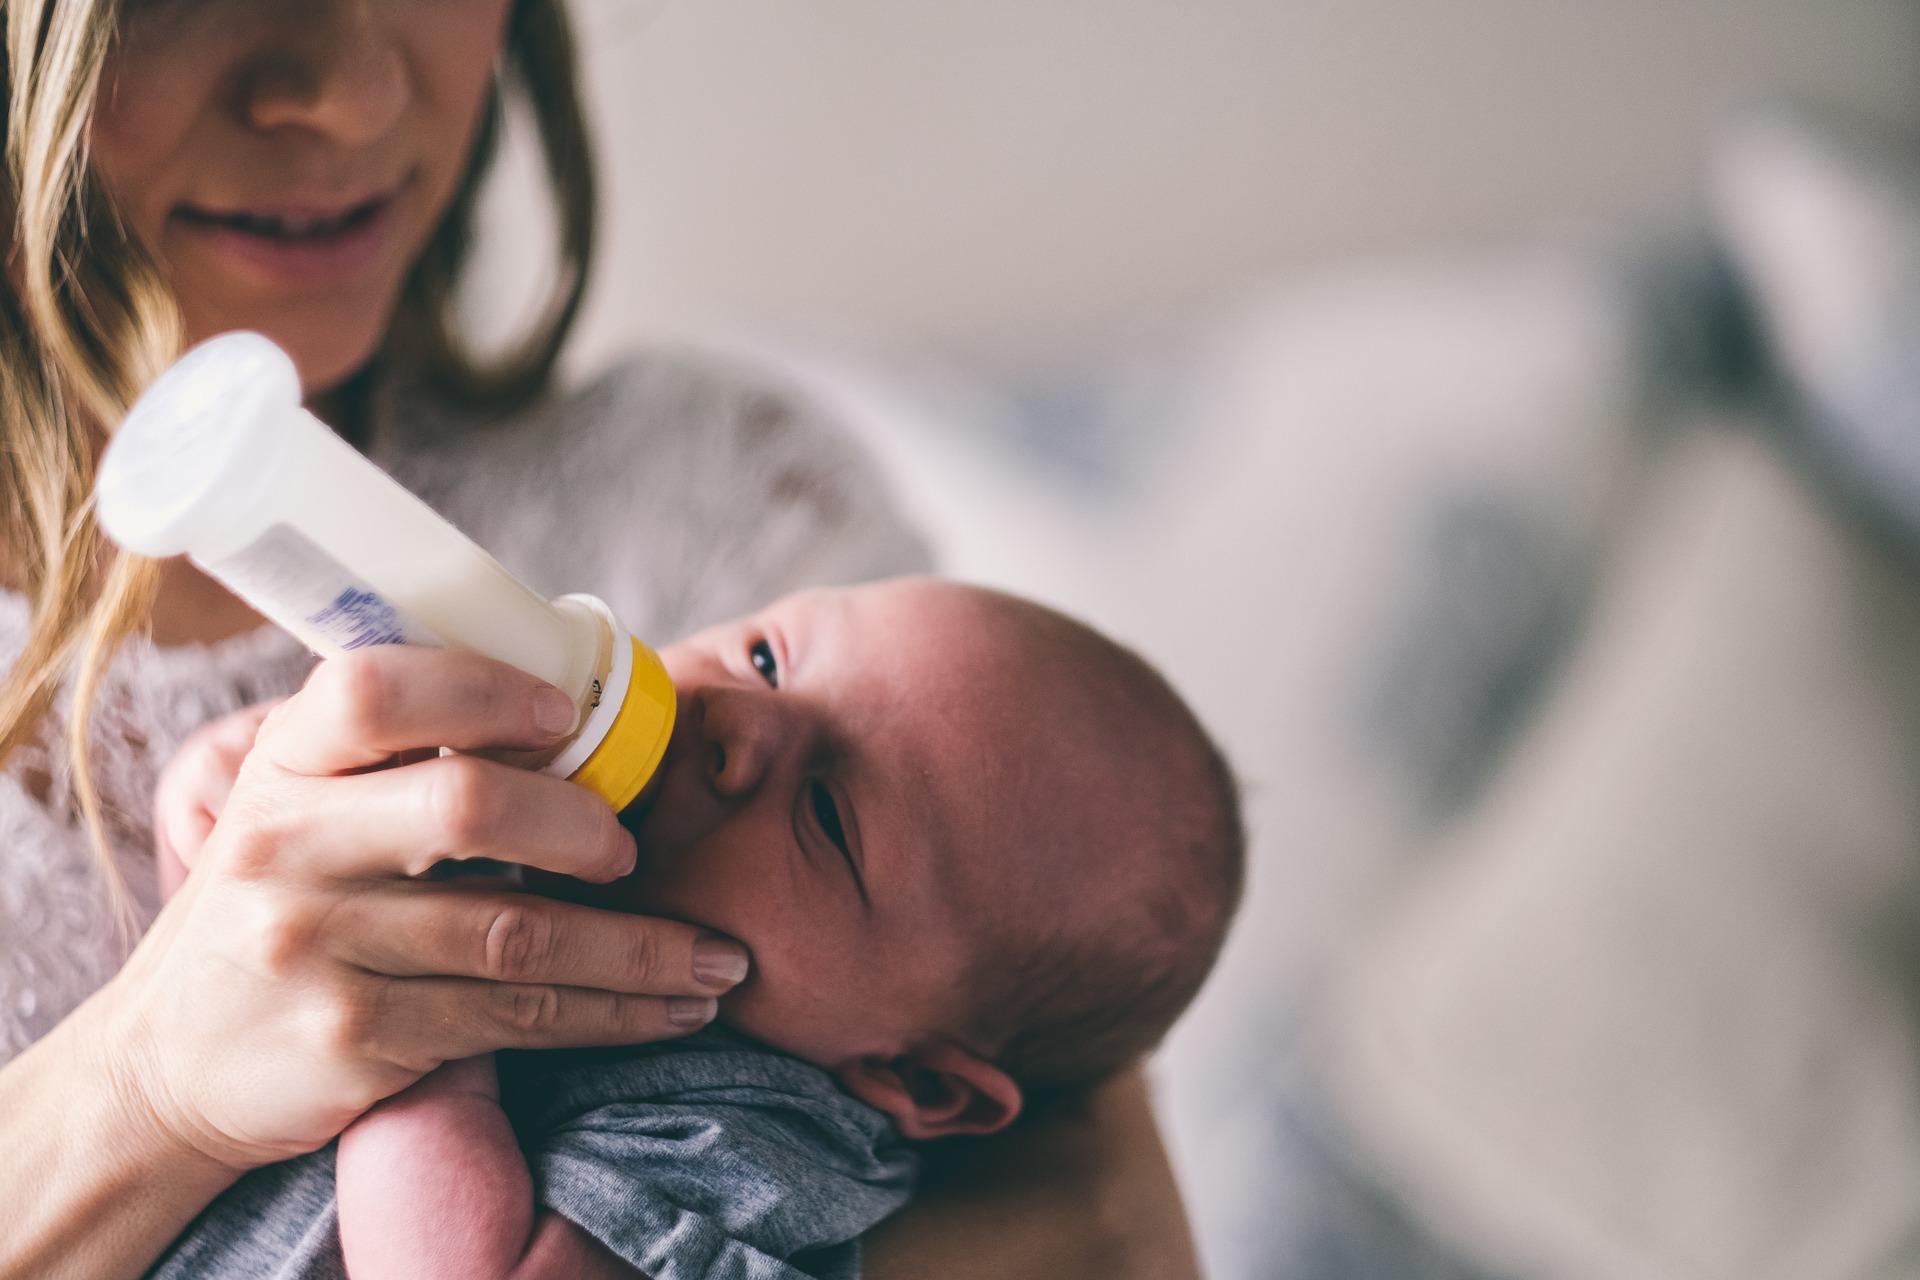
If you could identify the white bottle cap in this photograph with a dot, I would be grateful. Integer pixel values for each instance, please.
(196, 437)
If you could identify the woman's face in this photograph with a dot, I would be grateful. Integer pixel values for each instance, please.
(285, 161)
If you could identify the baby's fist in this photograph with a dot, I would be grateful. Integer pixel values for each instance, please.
(194, 787)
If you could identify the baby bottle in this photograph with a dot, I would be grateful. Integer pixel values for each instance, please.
(218, 461)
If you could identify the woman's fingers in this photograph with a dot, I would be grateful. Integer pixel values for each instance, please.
(362, 708)
(437, 930)
(455, 1018)
(402, 821)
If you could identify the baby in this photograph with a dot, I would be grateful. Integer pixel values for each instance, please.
(979, 855)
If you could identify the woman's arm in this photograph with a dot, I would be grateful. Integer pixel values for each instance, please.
(302, 973)
(1070, 1197)
(95, 1183)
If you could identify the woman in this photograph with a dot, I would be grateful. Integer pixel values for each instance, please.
(307, 168)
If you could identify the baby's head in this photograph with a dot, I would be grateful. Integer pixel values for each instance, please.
(975, 848)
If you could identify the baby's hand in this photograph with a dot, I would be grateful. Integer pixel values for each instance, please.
(194, 787)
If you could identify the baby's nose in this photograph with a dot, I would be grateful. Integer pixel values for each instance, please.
(741, 741)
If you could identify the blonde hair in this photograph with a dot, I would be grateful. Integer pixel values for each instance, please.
(86, 321)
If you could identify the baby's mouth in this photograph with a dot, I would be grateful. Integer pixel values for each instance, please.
(634, 816)
(687, 720)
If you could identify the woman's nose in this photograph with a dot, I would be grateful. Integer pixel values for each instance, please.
(744, 735)
(335, 68)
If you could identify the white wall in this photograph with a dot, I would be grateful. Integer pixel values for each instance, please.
(988, 173)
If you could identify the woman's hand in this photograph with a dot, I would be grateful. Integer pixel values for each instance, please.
(303, 971)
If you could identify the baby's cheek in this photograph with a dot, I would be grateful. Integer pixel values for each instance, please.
(807, 1019)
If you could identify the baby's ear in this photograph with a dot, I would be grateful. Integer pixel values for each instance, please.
(935, 1090)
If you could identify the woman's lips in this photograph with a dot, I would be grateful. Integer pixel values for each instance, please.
(296, 243)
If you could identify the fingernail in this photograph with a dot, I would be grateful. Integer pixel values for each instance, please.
(719, 962)
(691, 1011)
(552, 712)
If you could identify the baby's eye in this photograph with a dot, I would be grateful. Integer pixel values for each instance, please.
(761, 655)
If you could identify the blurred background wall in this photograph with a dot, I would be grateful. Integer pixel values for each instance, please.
(1005, 172)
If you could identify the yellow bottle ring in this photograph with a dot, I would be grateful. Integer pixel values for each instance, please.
(636, 741)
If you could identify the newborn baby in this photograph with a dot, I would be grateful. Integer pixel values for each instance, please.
(979, 854)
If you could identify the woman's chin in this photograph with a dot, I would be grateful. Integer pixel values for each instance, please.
(328, 338)
(325, 363)
(330, 329)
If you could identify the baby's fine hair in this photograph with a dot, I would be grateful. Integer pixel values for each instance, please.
(1072, 1005)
